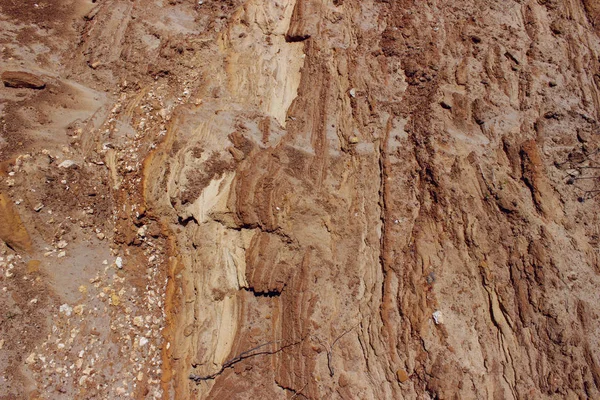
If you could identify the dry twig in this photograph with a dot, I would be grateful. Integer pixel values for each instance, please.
(240, 357)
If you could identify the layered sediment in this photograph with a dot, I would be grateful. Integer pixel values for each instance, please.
(354, 199)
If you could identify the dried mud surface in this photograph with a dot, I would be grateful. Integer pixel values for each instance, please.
(256, 199)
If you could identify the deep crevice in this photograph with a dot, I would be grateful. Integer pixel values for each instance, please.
(268, 293)
(185, 221)
(296, 38)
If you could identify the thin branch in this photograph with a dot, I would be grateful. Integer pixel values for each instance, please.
(240, 357)
(329, 349)
(299, 393)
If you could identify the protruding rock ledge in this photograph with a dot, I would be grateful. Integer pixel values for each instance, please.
(22, 80)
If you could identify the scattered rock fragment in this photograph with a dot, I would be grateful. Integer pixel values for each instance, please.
(68, 164)
(343, 381)
(22, 80)
(38, 207)
(401, 375)
(33, 266)
(115, 300)
(66, 309)
(12, 228)
(31, 359)
(189, 330)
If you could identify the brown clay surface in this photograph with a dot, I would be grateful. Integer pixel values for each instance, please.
(256, 199)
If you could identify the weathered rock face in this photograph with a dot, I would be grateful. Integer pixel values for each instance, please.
(373, 203)
(349, 199)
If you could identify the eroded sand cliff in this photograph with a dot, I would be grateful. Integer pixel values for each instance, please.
(311, 199)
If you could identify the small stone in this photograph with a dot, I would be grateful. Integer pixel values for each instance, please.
(138, 321)
(66, 309)
(438, 318)
(1, 343)
(188, 330)
(583, 136)
(445, 105)
(38, 208)
(353, 140)
(401, 375)
(30, 359)
(88, 371)
(353, 92)
(62, 244)
(78, 309)
(33, 266)
(22, 80)
(119, 262)
(140, 376)
(114, 299)
(100, 236)
(143, 341)
(61, 254)
(343, 381)
(67, 164)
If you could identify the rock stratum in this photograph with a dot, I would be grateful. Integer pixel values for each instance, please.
(300, 199)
